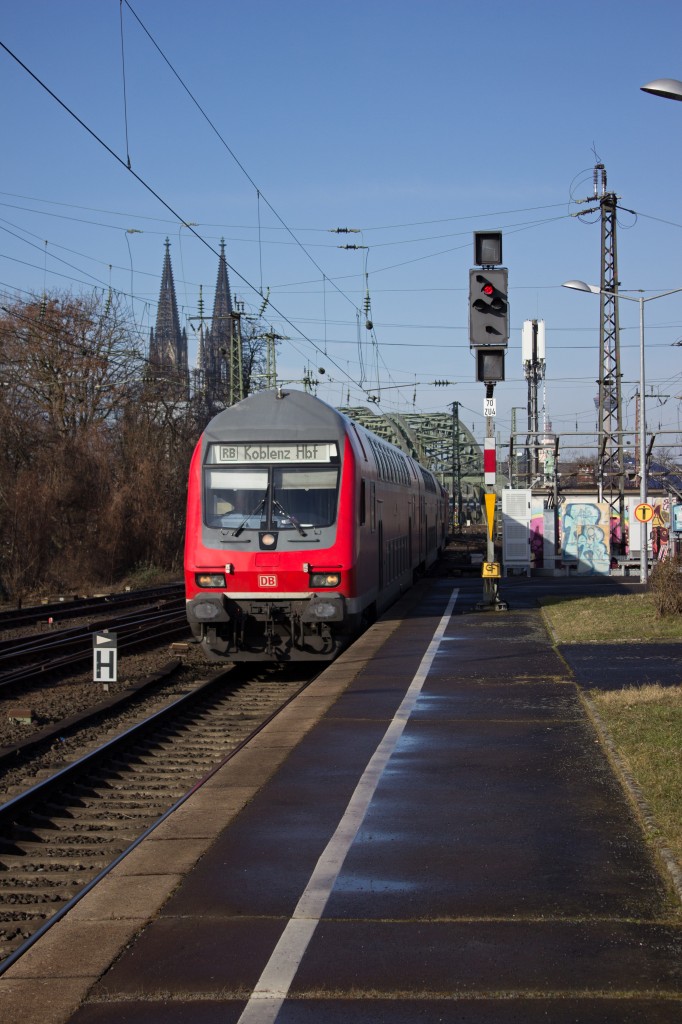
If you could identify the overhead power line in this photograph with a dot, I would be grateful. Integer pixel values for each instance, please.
(229, 149)
(165, 204)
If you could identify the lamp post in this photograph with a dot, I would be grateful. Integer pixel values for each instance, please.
(669, 88)
(581, 286)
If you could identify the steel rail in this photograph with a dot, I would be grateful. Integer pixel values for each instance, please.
(79, 606)
(36, 792)
(173, 625)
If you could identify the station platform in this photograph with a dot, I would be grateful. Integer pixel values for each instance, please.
(432, 832)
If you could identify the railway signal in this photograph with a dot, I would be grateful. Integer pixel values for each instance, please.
(488, 248)
(488, 307)
(489, 364)
(488, 338)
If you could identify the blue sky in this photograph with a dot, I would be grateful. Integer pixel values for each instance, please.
(416, 122)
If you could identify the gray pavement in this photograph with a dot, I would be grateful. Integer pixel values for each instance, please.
(470, 857)
(615, 666)
(498, 875)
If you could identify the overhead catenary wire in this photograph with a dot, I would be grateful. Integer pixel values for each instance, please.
(273, 227)
(123, 70)
(380, 228)
(226, 145)
(258, 228)
(156, 195)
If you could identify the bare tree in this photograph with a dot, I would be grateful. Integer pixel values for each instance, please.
(67, 365)
(95, 445)
(67, 357)
(254, 358)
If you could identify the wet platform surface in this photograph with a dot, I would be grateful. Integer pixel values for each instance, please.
(498, 873)
(595, 667)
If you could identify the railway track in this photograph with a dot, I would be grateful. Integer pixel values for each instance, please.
(25, 661)
(66, 832)
(96, 714)
(77, 607)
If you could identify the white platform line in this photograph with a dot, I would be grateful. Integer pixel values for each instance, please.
(274, 983)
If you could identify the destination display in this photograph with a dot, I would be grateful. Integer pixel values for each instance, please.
(255, 454)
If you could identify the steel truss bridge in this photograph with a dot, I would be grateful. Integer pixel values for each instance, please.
(429, 438)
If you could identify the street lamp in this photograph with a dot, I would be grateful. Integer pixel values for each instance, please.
(670, 88)
(581, 286)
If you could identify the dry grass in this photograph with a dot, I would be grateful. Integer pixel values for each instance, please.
(617, 618)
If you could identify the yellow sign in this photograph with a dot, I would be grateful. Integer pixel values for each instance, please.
(490, 512)
(644, 512)
(491, 570)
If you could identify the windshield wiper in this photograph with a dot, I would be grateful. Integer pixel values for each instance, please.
(289, 516)
(257, 509)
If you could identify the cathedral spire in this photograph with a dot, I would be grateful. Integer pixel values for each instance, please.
(222, 307)
(217, 339)
(168, 344)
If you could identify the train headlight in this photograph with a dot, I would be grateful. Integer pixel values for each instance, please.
(325, 579)
(324, 608)
(204, 611)
(207, 608)
(210, 579)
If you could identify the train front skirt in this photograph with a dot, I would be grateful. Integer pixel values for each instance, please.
(314, 626)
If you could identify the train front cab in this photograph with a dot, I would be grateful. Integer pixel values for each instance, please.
(271, 575)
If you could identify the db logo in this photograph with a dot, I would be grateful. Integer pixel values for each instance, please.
(267, 581)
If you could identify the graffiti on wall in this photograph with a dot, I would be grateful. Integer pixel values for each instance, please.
(590, 532)
(586, 536)
(657, 529)
(537, 537)
(660, 528)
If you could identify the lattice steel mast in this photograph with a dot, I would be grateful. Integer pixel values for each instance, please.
(610, 472)
(610, 404)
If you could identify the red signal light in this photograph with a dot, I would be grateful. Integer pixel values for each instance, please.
(488, 308)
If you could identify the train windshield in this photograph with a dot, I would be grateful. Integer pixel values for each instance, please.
(236, 496)
(270, 498)
(303, 497)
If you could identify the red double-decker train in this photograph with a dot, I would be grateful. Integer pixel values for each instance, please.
(301, 527)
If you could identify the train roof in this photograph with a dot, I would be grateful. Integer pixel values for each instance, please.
(290, 415)
(293, 416)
